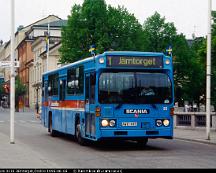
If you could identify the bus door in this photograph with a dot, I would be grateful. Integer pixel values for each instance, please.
(62, 88)
(90, 82)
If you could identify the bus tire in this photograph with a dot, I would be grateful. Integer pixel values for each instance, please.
(79, 137)
(142, 142)
(52, 132)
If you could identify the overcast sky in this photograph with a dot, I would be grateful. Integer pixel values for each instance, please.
(189, 16)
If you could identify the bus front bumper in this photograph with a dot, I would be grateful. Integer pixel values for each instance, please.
(130, 134)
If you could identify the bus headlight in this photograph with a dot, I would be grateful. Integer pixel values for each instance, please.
(101, 60)
(159, 123)
(166, 123)
(112, 123)
(104, 123)
(167, 62)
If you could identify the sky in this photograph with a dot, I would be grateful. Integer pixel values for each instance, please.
(188, 16)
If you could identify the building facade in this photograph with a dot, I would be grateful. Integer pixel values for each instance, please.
(31, 66)
(39, 49)
(25, 55)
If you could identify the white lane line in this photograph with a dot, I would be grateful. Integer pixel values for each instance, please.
(34, 121)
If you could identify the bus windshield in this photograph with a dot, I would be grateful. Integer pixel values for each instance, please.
(134, 88)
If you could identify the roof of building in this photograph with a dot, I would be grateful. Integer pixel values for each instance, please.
(58, 23)
(35, 23)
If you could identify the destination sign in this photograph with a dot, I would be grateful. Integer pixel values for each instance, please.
(135, 61)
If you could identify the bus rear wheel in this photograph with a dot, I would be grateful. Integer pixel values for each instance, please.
(52, 132)
(79, 137)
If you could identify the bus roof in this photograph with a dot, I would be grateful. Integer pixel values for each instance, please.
(133, 53)
(108, 53)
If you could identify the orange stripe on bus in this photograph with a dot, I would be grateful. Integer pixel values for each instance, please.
(65, 104)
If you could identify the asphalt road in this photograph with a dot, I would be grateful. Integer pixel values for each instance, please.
(64, 152)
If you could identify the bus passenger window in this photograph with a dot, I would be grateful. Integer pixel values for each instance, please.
(53, 85)
(75, 80)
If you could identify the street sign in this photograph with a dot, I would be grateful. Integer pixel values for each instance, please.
(7, 64)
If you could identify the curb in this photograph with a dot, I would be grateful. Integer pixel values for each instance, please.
(196, 140)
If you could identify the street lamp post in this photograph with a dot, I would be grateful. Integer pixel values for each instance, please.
(12, 77)
(208, 73)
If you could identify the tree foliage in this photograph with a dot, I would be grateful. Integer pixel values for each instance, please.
(87, 25)
(213, 83)
(200, 51)
(157, 33)
(94, 23)
(125, 31)
(2, 91)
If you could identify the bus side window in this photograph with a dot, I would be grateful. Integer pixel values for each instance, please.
(53, 84)
(75, 80)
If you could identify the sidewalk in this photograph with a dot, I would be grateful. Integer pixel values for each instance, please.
(19, 155)
(196, 135)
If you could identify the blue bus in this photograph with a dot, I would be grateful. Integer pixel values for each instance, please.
(114, 95)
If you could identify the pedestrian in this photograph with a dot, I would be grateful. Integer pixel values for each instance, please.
(37, 108)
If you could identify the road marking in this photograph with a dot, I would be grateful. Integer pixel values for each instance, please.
(22, 121)
(34, 121)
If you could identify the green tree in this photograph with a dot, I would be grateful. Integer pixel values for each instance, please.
(201, 51)
(158, 34)
(125, 31)
(1, 89)
(106, 27)
(87, 25)
(189, 74)
(213, 79)
(196, 87)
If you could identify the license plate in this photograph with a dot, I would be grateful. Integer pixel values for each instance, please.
(129, 123)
